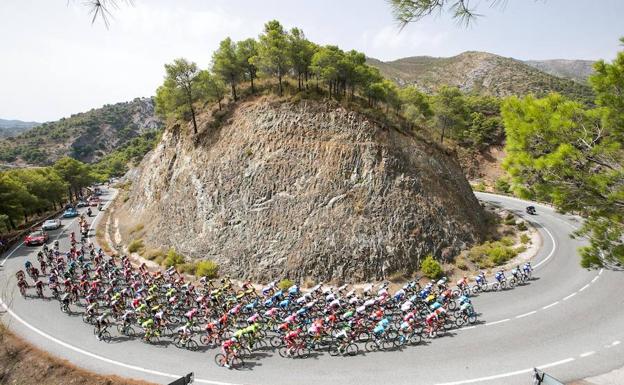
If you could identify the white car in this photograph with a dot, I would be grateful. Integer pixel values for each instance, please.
(51, 224)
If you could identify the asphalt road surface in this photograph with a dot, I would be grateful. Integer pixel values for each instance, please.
(568, 321)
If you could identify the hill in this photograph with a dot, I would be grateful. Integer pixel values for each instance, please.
(478, 72)
(577, 70)
(301, 189)
(86, 136)
(14, 127)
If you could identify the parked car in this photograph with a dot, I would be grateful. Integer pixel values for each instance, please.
(82, 204)
(70, 213)
(38, 237)
(94, 201)
(51, 224)
(531, 210)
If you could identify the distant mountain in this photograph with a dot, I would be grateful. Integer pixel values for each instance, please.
(86, 136)
(577, 70)
(479, 72)
(14, 127)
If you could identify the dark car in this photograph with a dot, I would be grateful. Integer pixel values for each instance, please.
(38, 237)
(531, 210)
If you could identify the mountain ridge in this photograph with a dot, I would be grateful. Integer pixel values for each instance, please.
(479, 72)
(13, 127)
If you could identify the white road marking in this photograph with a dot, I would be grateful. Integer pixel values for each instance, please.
(570, 296)
(101, 358)
(600, 272)
(552, 252)
(526, 314)
(595, 279)
(551, 305)
(468, 327)
(11, 253)
(497, 322)
(509, 374)
(587, 354)
(584, 287)
(615, 343)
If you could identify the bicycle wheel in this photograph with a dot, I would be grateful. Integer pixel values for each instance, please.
(275, 341)
(283, 352)
(192, 346)
(512, 283)
(106, 336)
(460, 321)
(363, 337)
(303, 352)
(496, 286)
(334, 350)
(237, 362)
(452, 305)
(219, 359)
(371, 346)
(472, 318)
(415, 338)
(351, 350)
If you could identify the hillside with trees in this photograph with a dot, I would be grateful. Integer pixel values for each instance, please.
(481, 73)
(87, 136)
(14, 127)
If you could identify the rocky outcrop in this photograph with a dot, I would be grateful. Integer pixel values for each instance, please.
(303, 189)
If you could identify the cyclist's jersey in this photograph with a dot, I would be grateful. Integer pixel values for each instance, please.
(148, 324)
(407, 305)
(405, 326)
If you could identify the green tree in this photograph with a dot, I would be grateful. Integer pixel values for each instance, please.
(212, 87)
(300, 52)
(226, 64)
(273, 58)
(325, 64)
(74, 173)
(245, 51)
(451, 111)
(181, 89)
(407, 11)
(561, 152)
(15, 200)
(415, 104)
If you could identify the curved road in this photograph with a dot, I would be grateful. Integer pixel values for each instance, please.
(568, 321)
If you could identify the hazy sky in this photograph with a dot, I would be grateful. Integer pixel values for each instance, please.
(53, 62)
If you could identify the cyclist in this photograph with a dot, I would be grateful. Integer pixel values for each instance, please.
(101, 325)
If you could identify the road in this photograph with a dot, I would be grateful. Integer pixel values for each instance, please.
(568, 321)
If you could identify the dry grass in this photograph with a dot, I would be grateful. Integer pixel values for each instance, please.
(23, 364)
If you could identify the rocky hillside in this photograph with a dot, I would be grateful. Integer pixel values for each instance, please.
(14, 127)
(86, 136)
(479, 72)
(302, 189)
(577, 70)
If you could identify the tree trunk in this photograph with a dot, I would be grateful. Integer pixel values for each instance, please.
(253, 90)
(442, 135)
(194, 121)
(279, 79)
(234, 90)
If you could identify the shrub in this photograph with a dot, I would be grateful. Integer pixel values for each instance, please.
(159, 259)
(208, 269)
(285, 284)
(431, 268)
(173, 259)
(462, 266)
(153, 254)
(137, 228)
(507, 241)
(502, 185)
(187, 268)
(135, 245)
(524, 238)
(479, 186)
(500, 254)
(521, 226)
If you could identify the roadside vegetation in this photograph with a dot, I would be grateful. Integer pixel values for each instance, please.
(22, 363)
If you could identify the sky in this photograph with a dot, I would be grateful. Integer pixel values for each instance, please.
(54, 62)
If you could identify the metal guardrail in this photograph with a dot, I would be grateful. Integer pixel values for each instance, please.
(188, 379)
(541, 378)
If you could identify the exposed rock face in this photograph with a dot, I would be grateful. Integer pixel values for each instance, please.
(304, 190)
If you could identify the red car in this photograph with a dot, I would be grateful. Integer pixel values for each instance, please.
(38, 237)
(94, 201)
